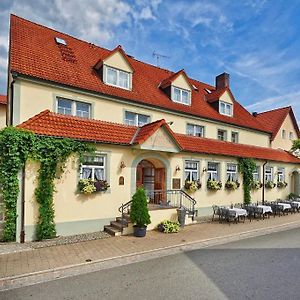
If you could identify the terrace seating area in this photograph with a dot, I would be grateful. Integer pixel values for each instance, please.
(239, 212)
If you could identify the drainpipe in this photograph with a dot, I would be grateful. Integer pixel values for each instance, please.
(22, 232)
(11, 105)
(263, 182)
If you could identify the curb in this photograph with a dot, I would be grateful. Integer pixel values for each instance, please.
(23, 280)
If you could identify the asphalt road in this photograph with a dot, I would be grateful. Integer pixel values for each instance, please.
(266, 267)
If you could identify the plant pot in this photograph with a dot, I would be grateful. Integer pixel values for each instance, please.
(139, 231)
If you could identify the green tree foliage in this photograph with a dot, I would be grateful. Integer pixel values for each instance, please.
(139, 213)
(296, 145)
(247, 166)
(16, 146)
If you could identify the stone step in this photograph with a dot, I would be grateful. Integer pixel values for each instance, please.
(117, 225)
(125, 221)
(112, 230)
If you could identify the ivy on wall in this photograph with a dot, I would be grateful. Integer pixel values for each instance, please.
(16, 146)
(247, 166)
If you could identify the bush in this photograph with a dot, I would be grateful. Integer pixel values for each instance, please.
(293, 196)
(168, 226)
(139, 214)
(214, 185)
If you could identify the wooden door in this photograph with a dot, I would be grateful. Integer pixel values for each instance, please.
(160, 184)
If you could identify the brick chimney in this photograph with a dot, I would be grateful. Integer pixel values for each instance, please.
(222, 81)
(254, 114)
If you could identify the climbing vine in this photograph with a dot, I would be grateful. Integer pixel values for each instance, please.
(16, 146)
(247, 166)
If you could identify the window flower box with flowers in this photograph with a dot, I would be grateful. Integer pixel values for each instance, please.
(281, 184)
(256, 185)
(232, 185)
(192, 186)
(270, 184)
(89, 186)
(213, 185)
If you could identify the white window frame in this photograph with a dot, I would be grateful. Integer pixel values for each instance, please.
(256, 174)
(94, 166)
(74, 107)
(228, 108)
(194, 130)
(280, 174)
(191, 171)
(225, 134)
(283, 134)
(136, 119)
(291, 135)
(237, 136)
(181, 97)
(231, 175)
(118, 71)
(268, 175)
(213, 174)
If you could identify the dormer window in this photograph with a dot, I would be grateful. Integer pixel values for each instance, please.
(180, 95)
(225, 108)
(116, 77)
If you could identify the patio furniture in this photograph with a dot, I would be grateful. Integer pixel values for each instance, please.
(286, 207)
(239, 212)
(250, 211)
(216, 212)
(267, 210)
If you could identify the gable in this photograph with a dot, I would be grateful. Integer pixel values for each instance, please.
(288, 126)
(160, 140)
(117, 60)
(181, 82)
(226, 97)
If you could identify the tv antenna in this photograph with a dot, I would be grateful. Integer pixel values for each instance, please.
(158, 56)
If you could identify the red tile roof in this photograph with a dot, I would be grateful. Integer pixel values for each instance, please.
(3, 99)
(273, 119)
(56, 125)
(167, 81)
(34, 53)
(215, 95)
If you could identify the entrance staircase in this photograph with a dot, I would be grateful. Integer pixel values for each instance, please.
(160, 199)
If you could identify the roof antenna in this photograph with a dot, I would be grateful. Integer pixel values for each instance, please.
(158, 56)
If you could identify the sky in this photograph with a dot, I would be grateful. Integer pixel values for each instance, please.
(256, 41)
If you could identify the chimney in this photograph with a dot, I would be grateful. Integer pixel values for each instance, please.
(254, 114)
(222, 81)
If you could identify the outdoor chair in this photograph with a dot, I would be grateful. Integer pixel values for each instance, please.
(250, 211)
(258, 213)
(231, 216)
(216, 212)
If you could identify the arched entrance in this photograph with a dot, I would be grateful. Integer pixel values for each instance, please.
(151, 174)
(295, 182)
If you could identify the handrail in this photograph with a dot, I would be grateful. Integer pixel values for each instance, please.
(172, 198)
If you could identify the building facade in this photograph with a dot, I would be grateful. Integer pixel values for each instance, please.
(151, 127)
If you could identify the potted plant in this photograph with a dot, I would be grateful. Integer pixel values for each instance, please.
(256, 184)
(139, 214)
(86, 186)
(168, 226)
(192, 186)
(101, 185)
(270, 184)
(231, 185)
(281, 184)
(214, 185)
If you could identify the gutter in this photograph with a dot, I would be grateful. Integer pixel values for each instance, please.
(22, 232)
(263, 182)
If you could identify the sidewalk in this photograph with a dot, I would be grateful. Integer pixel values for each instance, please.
(16, 267)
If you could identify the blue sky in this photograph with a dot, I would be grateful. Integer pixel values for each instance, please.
(256, 41)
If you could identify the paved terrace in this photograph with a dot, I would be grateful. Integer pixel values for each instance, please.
(28, 260)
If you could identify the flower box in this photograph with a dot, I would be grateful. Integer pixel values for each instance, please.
(282, 184)
(214, 185)
(89, 186)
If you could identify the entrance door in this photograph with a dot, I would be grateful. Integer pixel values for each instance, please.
(160, 185)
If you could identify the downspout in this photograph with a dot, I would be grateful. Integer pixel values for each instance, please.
(263, 182)
(11, 105)
(22, 232)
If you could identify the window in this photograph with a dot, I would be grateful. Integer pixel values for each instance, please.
(231, 172)
(280, 174)
(225, 108)
(93, 168)
(73, 108)
(195, 130)
(268, 174)
(117, 78)
(136, 119)
(181, 95)
(191, 170)
(283, 134)
(234, 137)
(222, 135)
(256, 174)
(213, 171)
(291, 136)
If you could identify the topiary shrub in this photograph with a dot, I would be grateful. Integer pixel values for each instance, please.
(139, 214)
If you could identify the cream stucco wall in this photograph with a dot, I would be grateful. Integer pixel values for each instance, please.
(77, 213)
(286, 143)
(181, 82)
(44, 97)
(2, 115)
(118, 61)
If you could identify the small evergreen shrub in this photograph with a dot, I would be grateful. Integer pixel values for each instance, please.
(168, 226)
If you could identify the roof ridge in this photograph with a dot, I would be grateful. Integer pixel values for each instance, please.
(275, 109)
(35, 117)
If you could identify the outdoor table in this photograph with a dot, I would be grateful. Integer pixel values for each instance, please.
(297, 203)
(285, 205)
(266, 208)
(239, 212)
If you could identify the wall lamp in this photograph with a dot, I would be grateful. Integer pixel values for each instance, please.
(122, 165)
(204, 170)
(170, 123)
(177, 168)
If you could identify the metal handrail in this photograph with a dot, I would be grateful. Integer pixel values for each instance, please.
(172, 198)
